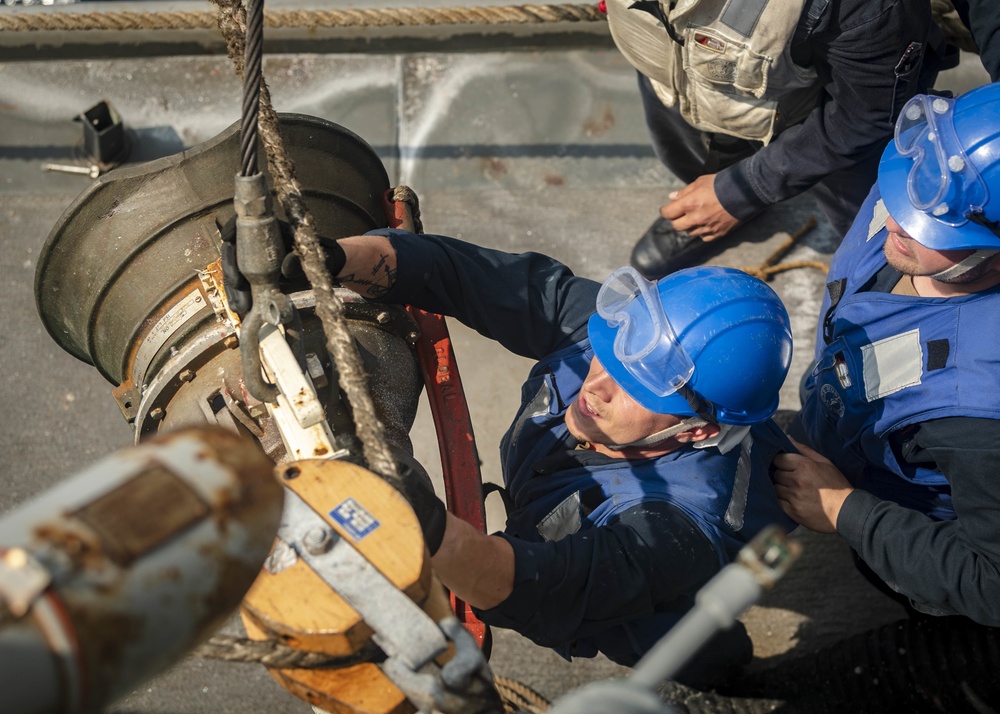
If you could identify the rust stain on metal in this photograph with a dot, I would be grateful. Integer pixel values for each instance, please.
(142, 513)
(256, 493)
(172, 575)
(85, 552)
(494, 168)
(104, 638)
(598, 126)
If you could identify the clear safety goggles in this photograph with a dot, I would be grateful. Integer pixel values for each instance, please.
(943, 182)
(645, 342)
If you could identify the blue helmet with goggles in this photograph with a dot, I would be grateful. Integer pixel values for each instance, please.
(709, 342)
(940, 176)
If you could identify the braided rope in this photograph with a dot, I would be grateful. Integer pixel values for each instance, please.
(329, 307)
(518, 697)
(386, 17)
(277, 655)
(943, 12)
(405, 194)
(767, 269)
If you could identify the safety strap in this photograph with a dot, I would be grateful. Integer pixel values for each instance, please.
(836, 291)
(663, 434)
(961, 268)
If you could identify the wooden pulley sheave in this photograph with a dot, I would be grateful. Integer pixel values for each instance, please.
(349, 577)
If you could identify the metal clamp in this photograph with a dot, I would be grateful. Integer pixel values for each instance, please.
(296, 409)
(464, 684)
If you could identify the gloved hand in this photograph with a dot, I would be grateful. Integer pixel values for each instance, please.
(335, 256)
(291, 266)
(430, 510)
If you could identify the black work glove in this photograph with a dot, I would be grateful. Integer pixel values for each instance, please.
(430, 510)
(291, 266)
(335, 256)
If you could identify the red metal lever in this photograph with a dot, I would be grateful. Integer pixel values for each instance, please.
(460, 465)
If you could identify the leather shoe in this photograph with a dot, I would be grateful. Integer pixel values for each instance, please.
(663, 250)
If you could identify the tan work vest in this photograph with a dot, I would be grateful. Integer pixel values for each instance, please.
(730, 69)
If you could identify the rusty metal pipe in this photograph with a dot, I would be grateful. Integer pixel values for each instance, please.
(119, 571)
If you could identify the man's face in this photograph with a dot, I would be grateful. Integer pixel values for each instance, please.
(910, 258)
(604, 414)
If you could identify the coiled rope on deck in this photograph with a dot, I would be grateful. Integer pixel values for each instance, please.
(356, 18)
(771, 267)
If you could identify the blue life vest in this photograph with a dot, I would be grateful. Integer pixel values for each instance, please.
(887, 362)
(729, 497)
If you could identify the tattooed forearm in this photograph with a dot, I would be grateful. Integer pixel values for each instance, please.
(370, 267)
(380, 279)
(362, 285)
(383, 277)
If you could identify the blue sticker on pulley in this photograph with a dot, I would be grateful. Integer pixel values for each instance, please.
(357, 521)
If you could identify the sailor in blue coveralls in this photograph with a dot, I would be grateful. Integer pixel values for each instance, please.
(903, 400)
(637, 464)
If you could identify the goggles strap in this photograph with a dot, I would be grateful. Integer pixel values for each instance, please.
(698, 405)
(979, 218)
(663, 434)
(961, 268)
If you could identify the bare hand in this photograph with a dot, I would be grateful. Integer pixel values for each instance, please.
(696, 209)
(810, 489)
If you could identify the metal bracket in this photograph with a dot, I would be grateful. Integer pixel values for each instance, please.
(297, 410)
(293, 383)
(465, 684)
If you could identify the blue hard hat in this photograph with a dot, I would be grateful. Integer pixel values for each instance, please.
(713, 333)
(940, 176)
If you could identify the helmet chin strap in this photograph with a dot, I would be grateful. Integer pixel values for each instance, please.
(959, 269)
(664, 434)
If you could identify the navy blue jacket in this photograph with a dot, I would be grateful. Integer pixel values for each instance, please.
(859, 48)
(982, 17)
(618, 587)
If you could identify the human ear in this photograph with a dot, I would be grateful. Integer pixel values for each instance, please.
(698, 433)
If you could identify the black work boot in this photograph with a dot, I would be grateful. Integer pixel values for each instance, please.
(663, 250)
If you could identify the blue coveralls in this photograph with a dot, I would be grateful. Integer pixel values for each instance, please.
(651, 532)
